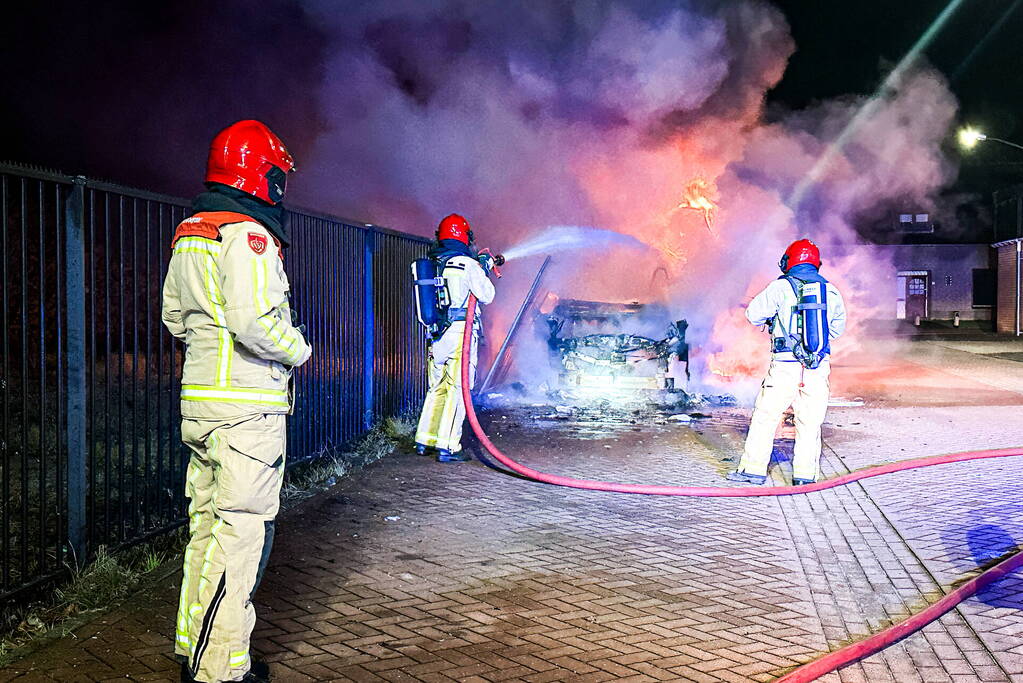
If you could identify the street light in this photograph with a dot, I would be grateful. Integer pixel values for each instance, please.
(969, 137)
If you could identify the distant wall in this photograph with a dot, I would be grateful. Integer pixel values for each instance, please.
(951, 281)
(1008, 279)
(951, 267)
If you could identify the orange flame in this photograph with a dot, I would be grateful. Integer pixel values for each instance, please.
(695, 197)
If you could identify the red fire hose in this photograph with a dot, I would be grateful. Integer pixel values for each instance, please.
(834, 660)
(879, 641)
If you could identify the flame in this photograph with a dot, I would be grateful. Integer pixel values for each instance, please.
(696, 196)
(742, 350)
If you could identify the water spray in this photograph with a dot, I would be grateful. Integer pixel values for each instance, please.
(565, 237)
(834, 660)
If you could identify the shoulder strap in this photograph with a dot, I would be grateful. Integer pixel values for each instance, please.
(796, 284)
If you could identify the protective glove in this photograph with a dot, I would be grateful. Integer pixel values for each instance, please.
(487, 261)
(298, 325)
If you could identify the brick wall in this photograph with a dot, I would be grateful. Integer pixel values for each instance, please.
(1005, 306)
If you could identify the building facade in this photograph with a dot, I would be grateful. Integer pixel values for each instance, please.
(939, 281)
(1007, 318)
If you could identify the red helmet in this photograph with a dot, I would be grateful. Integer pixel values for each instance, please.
(248, 156)
(455, 227)
(800, 251)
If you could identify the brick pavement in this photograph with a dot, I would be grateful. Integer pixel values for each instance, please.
(959, 516)
(487, 578)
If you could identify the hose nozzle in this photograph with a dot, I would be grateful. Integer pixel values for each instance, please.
(491, 261)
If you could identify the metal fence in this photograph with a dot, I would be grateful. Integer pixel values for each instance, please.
(89, 378)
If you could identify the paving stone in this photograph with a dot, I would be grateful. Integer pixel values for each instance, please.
(489, 578)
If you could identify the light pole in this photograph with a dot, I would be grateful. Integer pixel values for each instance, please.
(969, 137)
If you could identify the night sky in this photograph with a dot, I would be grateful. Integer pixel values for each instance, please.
(131, 92)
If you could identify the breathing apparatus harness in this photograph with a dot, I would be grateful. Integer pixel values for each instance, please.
(433, 300)
(808, 337)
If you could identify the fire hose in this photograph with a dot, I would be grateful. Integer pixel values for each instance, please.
(834, 660)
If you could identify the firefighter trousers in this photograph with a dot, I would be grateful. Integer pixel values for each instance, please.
(788, 383)
(233, 482)
(440, 423)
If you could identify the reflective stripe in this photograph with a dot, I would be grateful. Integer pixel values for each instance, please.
(278, 336)
(225, 344)
(283, 340)
(211, 544)
(207, 559)
(191, 392)
(211, 284)
(238, 659)
(197, 245)
(259, 293)
(207, 625)
(203, 252)
(186, 581)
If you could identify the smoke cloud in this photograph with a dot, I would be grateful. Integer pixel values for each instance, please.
(645, 118)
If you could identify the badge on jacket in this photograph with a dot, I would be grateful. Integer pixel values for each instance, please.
(257, 242)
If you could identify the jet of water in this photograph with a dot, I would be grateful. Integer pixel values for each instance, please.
(561, 237)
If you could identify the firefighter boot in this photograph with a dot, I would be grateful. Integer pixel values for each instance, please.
(444, 455)
(739, 475)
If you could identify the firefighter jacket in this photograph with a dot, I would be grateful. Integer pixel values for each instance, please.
(464, 276)
(776, 306)
(226, 296)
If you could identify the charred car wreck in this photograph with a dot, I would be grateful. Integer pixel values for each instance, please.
(600, 346)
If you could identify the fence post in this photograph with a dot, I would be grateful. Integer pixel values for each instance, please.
(369, 331)
(75, 395)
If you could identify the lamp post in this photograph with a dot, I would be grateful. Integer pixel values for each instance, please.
(969, 137)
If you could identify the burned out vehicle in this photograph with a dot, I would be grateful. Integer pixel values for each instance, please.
(599, 347)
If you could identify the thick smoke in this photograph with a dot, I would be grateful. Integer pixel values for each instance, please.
(645, 118)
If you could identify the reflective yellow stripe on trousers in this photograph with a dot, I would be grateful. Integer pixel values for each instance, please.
(193, 523)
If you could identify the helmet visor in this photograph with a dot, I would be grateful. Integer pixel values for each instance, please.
(276, 184)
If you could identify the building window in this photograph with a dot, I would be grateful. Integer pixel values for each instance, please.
(983, 287)
(915, 223)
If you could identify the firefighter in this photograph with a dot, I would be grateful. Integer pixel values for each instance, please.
(226, 295)
(440, 423)
(804, 313)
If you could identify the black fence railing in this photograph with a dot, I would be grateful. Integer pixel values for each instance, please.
(89, 378)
